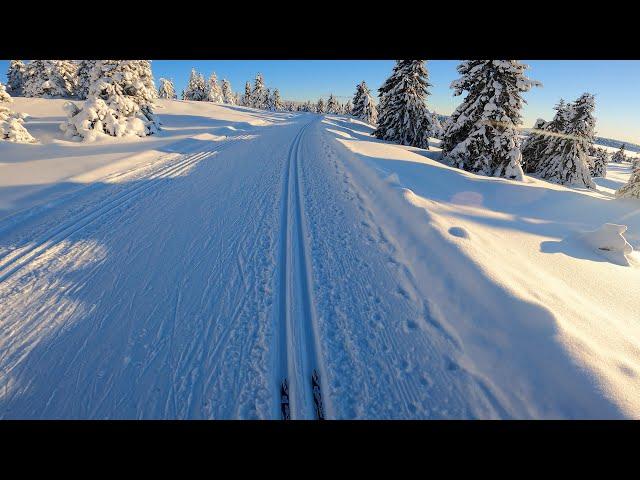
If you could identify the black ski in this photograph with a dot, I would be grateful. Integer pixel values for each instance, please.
(284, 400)
(317, 395)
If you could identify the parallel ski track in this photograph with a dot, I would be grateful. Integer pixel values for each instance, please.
(297, 333)
(18, 259)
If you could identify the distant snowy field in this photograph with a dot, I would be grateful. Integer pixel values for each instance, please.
(523, 299)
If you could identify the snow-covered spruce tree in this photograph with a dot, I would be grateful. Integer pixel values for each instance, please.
(83, 78)
(332, 105)
(246, 98)
(276, 101)
(601, 159)
(214, 92)
(320, 106)
(15, 77)
(389, 84)
(268, 104)
(196, 87)
(403, 117)
(535, 147)
(11, 123)
(482, 135)
(363, 106)
(166, 89)
(565, 158)
(632, 188)
(259, 97)
(50, 78)
(119, 102)
(348, 108)
(227, 94)
(619, 156)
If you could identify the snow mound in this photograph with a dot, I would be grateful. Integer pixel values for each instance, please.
(609, 241)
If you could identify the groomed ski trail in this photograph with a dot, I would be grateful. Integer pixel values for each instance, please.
(298, 339)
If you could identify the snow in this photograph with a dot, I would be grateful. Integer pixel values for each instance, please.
(609, 241)
(185, 274)
(541, 315)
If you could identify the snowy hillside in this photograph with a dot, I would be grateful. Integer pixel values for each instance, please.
(185, 274)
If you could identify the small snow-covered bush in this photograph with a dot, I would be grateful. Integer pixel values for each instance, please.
(11, 123)
(619, 156)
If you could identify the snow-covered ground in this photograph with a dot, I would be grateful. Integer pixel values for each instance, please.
(187, 274)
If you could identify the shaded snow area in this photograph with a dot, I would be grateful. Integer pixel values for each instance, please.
(188, 274)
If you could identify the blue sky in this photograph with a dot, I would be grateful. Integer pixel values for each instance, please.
(616, 84)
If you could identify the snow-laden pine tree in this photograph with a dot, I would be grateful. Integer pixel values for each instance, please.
(601, 159)
(403, 116)
(565, 158)
(537, 144)
(632, 188)
(83, 78)
(333, 106)
(227, 94)
(269, 103)
(276, 101)
(540, 137)
(166, 89)
(259, 96)
(196, 87)
(348, 108)
(214, 92)
(619, 156)
(11, 123)
(533, 146)
(246, 98)
(15, 77)
(119, 102)
(50, 78)
(363, 106)
(320, 106)
(482, 134)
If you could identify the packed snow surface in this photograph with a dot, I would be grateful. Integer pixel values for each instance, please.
(186, 274)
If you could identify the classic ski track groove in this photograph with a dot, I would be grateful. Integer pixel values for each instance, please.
(9, 266)
(294, 270)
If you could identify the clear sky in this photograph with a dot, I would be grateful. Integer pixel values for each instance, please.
(616, 84)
